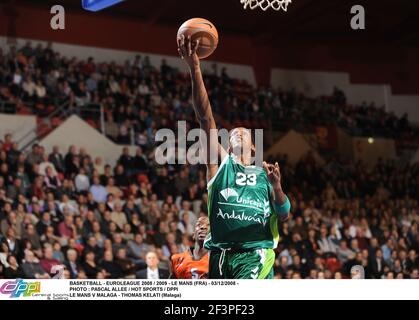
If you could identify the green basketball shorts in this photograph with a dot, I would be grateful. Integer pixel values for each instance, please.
(249, 264)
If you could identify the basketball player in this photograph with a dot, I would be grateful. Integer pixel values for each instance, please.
(193, 263)
(245, 202)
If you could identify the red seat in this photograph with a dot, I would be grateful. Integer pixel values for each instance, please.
(56, 122)
(333, 264)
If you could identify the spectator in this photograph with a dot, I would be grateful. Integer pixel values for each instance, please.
(72, 264)
(113, 190)
(12, 242)
(98, 191)
(44, 223)
(57, 159)
(127, 234)
(90, 266)
(12, 222)
(343, 252)
(326, 245)
(4, 253)
(16, 189)
(32, 268)
(119, 217)
(13, 271)
(49, 236)
(112, 269)
(32, 236)
(34, 157)
(152, 271)
(81, 181)
(378, 264)
(48, 262)
(44, 165)
(51, 180)
(126, 264)
(137, 249)
(66, 227)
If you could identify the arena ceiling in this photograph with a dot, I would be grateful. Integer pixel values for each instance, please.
(318, 21)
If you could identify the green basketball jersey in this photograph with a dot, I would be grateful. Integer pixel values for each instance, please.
(239, 208)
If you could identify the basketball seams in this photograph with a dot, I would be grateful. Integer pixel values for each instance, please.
(205, 31)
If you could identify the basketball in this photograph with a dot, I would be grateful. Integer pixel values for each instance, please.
(202, 30)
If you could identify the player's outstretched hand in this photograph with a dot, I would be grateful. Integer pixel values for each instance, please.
(187, 51)
(273, 173)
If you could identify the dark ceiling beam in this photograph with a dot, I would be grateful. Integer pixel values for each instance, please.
(406, 30)
(11, 14)
(162, 9)
(287, 19)
(318, 12)
(313, 10)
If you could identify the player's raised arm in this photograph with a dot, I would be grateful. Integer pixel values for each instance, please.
(187, 51)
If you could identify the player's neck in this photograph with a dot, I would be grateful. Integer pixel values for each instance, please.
(243, 159)
(199, 251)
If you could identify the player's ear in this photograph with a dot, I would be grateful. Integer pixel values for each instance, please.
(253, 149)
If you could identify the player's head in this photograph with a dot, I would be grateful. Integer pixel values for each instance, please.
(240, 142)
(201, 229)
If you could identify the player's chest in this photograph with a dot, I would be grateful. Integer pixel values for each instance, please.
(245, 183)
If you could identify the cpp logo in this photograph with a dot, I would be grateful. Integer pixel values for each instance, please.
(96, 5)
(19, 287)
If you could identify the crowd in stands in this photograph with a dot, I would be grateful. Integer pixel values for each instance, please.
(345, 215)
(111, 222)
(139, 98)
(100, 221)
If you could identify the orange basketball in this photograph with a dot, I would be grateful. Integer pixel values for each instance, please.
(205, 31)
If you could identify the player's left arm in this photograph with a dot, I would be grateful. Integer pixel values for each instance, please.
(174, 266)
(281, 203)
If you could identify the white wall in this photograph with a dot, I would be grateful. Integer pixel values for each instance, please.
(317, 83)
(359, 93)
(75, 131)
(238, 71)
(369, 153)
(405, 104)
(313, 84)
(19, 127)
(295, 146)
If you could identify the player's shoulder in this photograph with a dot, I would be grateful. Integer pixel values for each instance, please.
(205, 258)
(179, 257)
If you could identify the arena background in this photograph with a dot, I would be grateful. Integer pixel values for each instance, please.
(339, 109)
